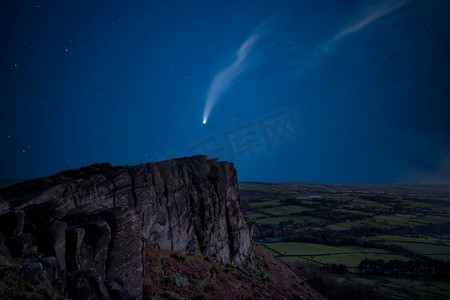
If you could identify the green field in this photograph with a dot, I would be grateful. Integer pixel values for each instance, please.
(350, 256)
(351, 261)
(254, 216)
(348, 225)
(265, 203)
(295, 219)
(317, 249)
(425, 240)
(436, 248)
(426, 249)
(284, 210)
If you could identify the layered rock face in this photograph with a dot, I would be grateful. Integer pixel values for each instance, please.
(93, 223)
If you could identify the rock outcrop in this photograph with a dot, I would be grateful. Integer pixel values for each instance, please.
(91, 226)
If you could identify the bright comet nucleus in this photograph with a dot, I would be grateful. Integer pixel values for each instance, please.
(204, 121)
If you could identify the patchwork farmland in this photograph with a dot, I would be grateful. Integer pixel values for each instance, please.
(395, 238)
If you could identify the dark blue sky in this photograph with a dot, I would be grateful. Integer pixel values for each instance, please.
(305, 91)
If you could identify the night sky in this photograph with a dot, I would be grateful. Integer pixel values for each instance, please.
(298, 91)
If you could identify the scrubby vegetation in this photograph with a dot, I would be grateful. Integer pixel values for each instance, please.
(333, 288)
(13, 285)
(429, 267)
(174, 276)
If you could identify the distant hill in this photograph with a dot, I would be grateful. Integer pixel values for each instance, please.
(7, 182)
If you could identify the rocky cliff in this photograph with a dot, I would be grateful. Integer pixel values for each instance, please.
(86, 230)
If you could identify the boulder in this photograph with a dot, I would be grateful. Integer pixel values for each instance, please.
(57, 242)
(33, 273)
(12, 223)
(179, 281)
(4, 251)
(21, 246)
(97, 236)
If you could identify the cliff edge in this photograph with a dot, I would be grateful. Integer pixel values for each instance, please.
(86, 230)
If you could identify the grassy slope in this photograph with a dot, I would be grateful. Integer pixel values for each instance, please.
(208, 280)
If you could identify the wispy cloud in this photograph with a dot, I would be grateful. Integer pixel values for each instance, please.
(360, 20)
(225, 77)
(370, 15)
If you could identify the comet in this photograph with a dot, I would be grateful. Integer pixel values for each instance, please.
(225, 77)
